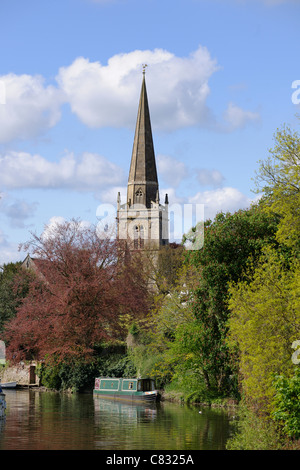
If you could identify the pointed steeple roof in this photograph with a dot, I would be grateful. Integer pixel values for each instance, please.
(142, 181)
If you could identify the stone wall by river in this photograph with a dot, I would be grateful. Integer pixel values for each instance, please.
(23, 374)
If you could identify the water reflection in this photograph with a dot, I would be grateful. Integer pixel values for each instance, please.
(120, 425)
(45, 420)
(122, 413)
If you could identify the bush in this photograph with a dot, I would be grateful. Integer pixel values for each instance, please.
(253, 432)
(49, 375)
(134, 329)
(80, 375)
(77, 376)
(115, 365)
(286, 405)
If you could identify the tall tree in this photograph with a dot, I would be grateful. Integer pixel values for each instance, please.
(264, 323)
(82, 286)
(265, 310)
(13, 287)
(278, 178)
(229, 241)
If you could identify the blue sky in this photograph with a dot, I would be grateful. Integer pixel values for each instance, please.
(219, 81)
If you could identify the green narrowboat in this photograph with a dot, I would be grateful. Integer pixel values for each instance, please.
(133, 390)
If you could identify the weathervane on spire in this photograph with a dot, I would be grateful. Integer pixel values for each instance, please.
(144, 68)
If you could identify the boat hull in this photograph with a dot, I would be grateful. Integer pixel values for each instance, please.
(132, 398)
(8, 385)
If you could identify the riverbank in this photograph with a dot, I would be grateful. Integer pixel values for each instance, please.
(177, 397)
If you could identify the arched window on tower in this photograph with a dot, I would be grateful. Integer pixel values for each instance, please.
(139, 196)
(141, 237)
(136, 237)
(138, 240)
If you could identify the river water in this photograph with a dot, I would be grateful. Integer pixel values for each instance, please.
(38, 420)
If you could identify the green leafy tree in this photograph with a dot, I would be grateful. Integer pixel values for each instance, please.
(174, 308)
(228, 243)
(264, 322)
(278, 178)
(152, 352)
(164, 269)
(13, 287)
(265, 304)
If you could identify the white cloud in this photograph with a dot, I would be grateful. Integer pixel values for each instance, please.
(237, 118)
(51, 228)
(221, 200)
(209, 177)
(172, 170)
(173, 197)
(109, 195)
(90, 172)
(9, 252)
(30, 107)
(108, 95)
(18, 212)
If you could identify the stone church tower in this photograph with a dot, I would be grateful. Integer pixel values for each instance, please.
(142, 219)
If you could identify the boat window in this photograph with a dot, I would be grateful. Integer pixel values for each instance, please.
(146, 385)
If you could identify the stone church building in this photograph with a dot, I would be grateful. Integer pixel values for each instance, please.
(143, 219)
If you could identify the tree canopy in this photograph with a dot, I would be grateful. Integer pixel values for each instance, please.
(229, 241)
(264, 305)
(81, 289)
(264, 323)
(278, 178)
(13, 287)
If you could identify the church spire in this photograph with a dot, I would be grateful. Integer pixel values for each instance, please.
(142, 182)
(148, 226)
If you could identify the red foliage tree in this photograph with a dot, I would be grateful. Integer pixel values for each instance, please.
(82, 287)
